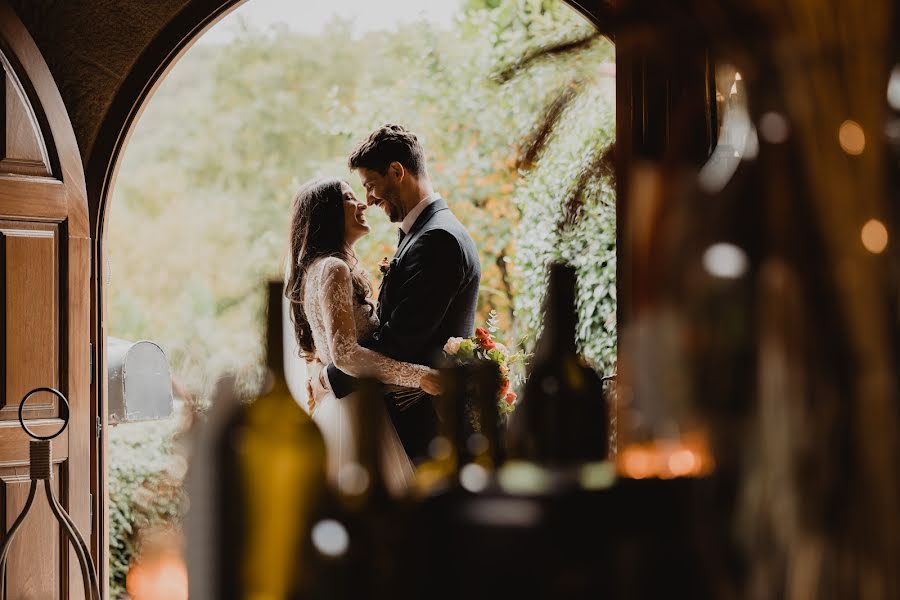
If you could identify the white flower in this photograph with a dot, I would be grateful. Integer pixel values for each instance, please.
(452, 345)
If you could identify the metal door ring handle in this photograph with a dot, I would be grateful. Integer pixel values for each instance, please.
(65, 412)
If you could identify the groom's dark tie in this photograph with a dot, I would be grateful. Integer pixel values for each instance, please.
(400, 235)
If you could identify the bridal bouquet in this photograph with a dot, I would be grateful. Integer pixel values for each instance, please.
(482, 346)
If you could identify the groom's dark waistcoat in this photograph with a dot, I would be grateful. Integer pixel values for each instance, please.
(427, 296)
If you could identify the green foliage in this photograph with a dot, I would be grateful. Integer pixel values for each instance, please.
(200, 213)
(584, 132)
(144, 490)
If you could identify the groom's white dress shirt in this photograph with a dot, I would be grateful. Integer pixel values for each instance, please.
(410, 218)
(405, 225)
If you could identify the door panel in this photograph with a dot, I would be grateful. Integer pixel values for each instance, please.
(34, 579)
(25, 149)
(28, 199)
(30, 316)
(14, 441)
(45, 279)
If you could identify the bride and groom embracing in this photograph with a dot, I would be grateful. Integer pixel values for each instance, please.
(427, 295)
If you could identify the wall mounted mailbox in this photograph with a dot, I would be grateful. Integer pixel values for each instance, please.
(140, 384)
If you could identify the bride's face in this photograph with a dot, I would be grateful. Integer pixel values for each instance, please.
(355, 225)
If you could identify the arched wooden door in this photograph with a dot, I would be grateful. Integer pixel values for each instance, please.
(45, 274)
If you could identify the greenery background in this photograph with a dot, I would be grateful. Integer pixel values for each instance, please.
(516, 111)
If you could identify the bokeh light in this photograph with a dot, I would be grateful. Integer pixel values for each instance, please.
(725, 260)
(440, 448)
(517, 477)
(330, 538)
(893, 91)
(473, 478)
(352, 479)
(682, 462)
(874, 236)
(774, 127)
(852, 137)
(165, 577)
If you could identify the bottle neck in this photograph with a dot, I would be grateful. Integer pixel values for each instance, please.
(275, 331)
(453, 417)
(487, 379)
(560, 317)
(366, 408)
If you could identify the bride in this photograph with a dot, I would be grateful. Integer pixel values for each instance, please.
(332, 312)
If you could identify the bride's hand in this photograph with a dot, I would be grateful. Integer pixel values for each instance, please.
(310, 398)
(431, 384)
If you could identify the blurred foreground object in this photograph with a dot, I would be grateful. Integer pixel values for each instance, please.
(263, 476)
(764, 282)
(159, 571)
(204, 536)
(563, 419)
(271, 477)
(375, 559)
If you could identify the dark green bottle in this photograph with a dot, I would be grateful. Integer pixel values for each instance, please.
(563, 419)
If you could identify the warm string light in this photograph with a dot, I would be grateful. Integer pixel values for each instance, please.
(666, 459)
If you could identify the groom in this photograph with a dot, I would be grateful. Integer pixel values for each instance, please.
(430, 289)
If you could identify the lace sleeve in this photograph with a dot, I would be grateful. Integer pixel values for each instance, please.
(336, 303)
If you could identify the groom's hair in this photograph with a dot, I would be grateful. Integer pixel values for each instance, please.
(385, 145)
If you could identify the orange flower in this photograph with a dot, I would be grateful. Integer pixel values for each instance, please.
(510, 397)
(484, 339)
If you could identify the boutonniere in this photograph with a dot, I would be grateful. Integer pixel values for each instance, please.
(385, 266)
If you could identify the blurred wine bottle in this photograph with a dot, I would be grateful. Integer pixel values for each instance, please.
(376, 519)
(202, 521)
(482, 440)
(563, 419)
(272, 478)
(439, 474)
(487, 447)
(459, 467)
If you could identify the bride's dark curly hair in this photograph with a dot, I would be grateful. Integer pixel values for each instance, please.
(317, 230)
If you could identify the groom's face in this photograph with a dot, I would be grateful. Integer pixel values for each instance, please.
(382, 191)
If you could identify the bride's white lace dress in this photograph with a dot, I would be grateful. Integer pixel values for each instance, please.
(338, 323)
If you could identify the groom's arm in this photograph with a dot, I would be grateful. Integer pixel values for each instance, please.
(339, 382)
(435, 263)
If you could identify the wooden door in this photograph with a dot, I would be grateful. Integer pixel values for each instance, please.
(45, 273)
